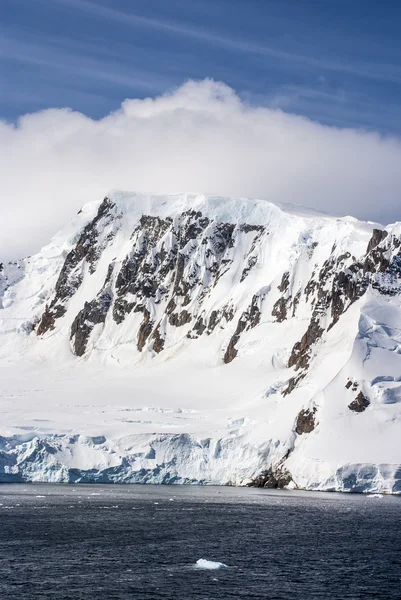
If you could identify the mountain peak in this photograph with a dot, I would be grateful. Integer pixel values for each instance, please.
(270, 324)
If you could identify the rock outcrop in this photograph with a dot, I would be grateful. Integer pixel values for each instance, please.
(360, 403)
(305, 422)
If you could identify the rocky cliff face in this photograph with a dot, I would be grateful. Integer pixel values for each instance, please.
(168, 276)
(173, 268)
(145, 277)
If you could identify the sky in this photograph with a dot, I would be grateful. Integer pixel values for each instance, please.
(288, 100)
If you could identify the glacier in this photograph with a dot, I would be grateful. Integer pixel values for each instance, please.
(204, 340)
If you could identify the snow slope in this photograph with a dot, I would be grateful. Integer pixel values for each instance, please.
(194, 339)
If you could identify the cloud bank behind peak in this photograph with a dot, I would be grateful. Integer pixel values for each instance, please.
(201, 137)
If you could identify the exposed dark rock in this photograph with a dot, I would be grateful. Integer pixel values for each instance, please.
(249, 319)
(375, 260)
(231, 351)
(109, 274)
(305, 422)
(378, 235)
(272, 478)
(179, 274)
(143, 270)
(222, 237)
(145, 330)
(180, 319)
(300, 354)
(51, 313)
(121, 308)
(186, 300)
(360, 403)
(280, 309)
(292, 384)
(170, 270)
(158, 341)
(257, 239)
(285, 282)
(283, 305)
(252, 260)
(70, 277)
(127, 274)
(343, 257)
(92, 314)
(311, 248)
(253, 314)
(155, 228)
(227, 313)
(193, 224)
(341, 282)
(346, 289)
(171, 306)
(213, 320)
(351, 384)
(311, 287)
(326, 272)
(216, 317)
(246, 228)
(295, 302)
(198, 329)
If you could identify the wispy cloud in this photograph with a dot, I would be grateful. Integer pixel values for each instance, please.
(377, 72)
(73, 57)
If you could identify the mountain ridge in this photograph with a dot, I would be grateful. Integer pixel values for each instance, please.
(305, 303)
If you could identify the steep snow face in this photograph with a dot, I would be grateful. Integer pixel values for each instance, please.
(205, 340)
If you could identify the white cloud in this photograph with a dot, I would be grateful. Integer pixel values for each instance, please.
(201, 137)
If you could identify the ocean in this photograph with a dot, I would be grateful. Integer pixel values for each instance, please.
(106, 542)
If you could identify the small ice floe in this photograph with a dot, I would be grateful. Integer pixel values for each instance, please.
(209, 564)
(375, 495)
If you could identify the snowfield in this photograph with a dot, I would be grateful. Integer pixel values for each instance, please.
(195, 339)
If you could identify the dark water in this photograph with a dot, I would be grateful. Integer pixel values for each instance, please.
(141, 542)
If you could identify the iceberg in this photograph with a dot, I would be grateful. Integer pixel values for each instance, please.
(202, 563)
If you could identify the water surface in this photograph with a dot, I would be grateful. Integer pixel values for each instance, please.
(125, 542)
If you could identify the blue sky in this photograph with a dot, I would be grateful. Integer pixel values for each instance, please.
(335, 61)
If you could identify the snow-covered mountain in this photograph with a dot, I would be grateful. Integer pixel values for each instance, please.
(199, 339)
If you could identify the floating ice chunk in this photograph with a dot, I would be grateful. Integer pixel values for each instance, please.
(375, 495)
(210, 564)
